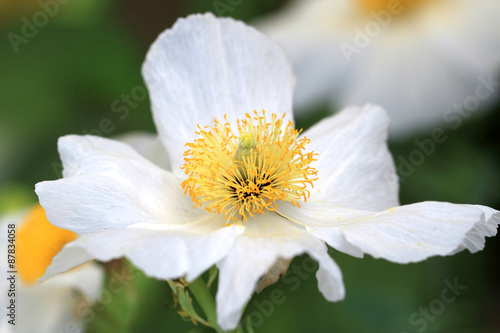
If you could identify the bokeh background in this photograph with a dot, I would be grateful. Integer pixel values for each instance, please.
(79, 74)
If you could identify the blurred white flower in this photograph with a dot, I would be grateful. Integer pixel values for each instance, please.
(56, 305)
(426, 62)
(248, 176)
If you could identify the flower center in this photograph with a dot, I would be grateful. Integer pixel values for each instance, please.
(248, 173)
(396, 7)
(38, 242)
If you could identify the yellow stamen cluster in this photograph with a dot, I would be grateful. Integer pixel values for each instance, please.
(38, 242)
(247, 174)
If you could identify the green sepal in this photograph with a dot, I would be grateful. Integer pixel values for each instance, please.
(184, 302)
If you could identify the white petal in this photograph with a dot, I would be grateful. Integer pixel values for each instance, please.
(86, 278)
(324, 221)
(457, 38)
(206, 67)
(402, 234)
(415, 232)
(265, 241)
(70, 256)
(163, 254)
(148, 145)
(355, 167)
(433, 86)
(48, 309)
(487, 227)
(108, 185)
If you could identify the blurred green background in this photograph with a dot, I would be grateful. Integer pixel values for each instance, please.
(76, 71)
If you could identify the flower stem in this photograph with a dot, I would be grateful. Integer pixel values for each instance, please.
(204, 297)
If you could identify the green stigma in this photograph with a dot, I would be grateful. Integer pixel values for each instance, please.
(246, 143)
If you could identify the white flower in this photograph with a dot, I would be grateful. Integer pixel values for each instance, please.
(205, 68)
(425, 62)
(56, 305)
